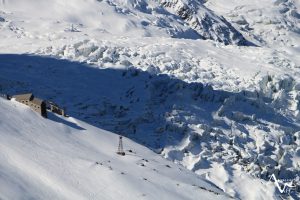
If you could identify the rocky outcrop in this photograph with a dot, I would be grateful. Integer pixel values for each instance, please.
(207, 24)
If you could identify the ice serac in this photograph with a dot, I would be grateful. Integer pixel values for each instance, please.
(206, 23)
(264, 22)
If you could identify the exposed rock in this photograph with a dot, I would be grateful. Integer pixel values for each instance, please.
(207, 24)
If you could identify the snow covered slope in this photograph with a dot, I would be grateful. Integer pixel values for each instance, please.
(265, 22)
(205, 22)
(206, 130)
(139, 68)
(64, 158)
(119, 17)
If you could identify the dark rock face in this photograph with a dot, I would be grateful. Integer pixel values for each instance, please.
(207, 24)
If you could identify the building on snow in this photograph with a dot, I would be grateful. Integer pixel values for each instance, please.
(36, 104)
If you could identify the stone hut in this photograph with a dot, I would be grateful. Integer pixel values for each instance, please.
(56, 109)
(38, 105)
(5, 96)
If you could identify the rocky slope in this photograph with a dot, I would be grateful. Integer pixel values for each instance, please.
(207, 24)
(274, 23)
(179, 19)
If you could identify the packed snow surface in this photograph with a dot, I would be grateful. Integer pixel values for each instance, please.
(212, 86)
(64, 158)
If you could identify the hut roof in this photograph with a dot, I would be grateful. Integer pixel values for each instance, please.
(37, 101)
(28, 96)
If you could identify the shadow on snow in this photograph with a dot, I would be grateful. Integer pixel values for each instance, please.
(154, 110)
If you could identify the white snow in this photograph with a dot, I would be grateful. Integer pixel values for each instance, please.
(270, 23)
(198, 102)
(44, 159)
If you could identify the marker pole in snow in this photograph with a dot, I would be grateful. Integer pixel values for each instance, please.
(120, 148)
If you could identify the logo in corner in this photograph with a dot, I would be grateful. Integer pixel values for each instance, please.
(285, 186)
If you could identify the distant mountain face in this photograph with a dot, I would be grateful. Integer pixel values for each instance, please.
(187, 19)
(196, 19)
(205, 22)
(264, 22)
